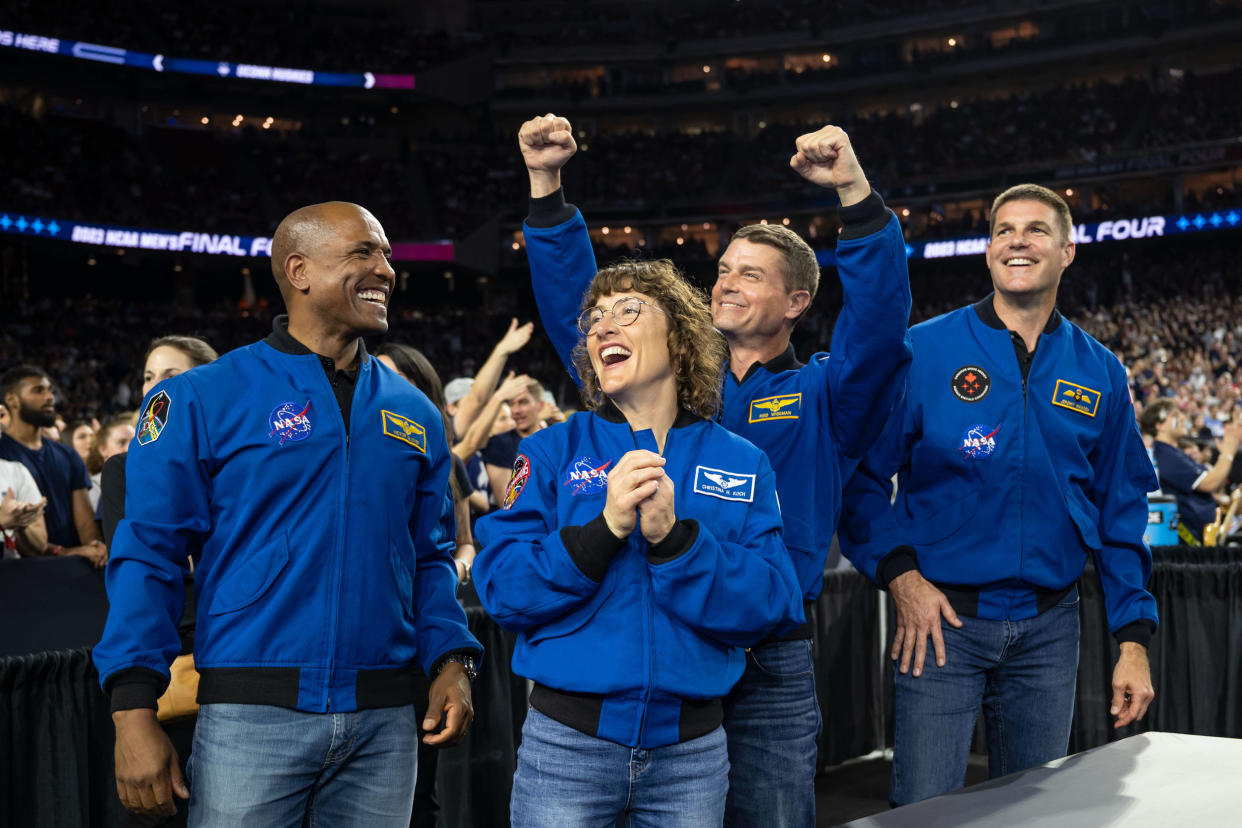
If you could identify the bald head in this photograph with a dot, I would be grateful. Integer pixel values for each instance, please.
(304, 231)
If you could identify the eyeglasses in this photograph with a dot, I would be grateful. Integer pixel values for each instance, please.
(624, 312)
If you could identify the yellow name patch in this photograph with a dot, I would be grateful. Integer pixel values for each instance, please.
(405, 430)
(784, 407)
(1076, 397)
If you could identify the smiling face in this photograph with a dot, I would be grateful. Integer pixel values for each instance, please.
(632, 362)
(164, 362)
(750, 299)
(524, 408)
(344, 277)
(1027, 251)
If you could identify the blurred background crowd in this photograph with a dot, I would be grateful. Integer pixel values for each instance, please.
(686, 115)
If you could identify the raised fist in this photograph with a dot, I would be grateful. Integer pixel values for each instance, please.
(547, 142)
(826, 158)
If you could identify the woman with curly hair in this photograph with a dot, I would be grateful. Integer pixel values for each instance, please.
(637, 553)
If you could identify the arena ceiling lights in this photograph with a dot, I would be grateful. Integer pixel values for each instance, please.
(191, 66)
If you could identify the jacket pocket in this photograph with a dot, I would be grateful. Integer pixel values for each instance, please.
(571, 622)
(251, 579)
(403, 576)
(938, 524)
(1085, 517)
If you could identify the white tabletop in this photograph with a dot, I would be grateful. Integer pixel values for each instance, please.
(1151, 780)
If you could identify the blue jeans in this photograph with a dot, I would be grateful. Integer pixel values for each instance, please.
(1023, 672)
(568, 779)
(270, 767)
(772, 721)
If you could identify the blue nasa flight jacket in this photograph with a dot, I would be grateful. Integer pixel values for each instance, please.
(1008, 480)
(324, 558)
(628, 641)
(813, 420)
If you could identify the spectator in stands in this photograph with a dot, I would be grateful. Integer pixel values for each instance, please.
(1017, 458)
(501, 450)
(79, 435)
(21, 512)
(57, 470)
(476, 473)
(363, 589)
(466, 405)
(634, 576)
(112, 439)
(1193, 483)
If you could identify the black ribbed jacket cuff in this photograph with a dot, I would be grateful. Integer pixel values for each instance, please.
(135, 688)
(1140, 632)
(550, 210)
(864, 218)
(676, 543)
(591, 547)
(898, 562)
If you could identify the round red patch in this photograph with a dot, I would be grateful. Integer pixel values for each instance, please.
(971, 383)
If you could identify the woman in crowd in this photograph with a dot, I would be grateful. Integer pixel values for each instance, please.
(637, 552)
(111, 439)
(79, 436)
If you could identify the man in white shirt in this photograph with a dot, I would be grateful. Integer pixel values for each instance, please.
(21, 512)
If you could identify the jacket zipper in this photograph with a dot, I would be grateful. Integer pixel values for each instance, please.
(1025, 370)
(648, 619)
(340, 545)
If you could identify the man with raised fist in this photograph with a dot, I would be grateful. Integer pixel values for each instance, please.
(813, 420)
(1017, 458)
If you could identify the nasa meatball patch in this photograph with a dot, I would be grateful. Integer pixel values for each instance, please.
(587, 475)
(971, 383)
(979, 441)
(290, 422)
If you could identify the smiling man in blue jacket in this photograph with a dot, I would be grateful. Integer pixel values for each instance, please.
(813, 420)
(1017, 458)
(310, 485)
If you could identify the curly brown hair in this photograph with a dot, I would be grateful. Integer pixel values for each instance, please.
(696, 349)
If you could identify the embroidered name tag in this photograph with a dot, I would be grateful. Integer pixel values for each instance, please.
(724, 485)
(405, 430)
(784, 407)
(1076, 397)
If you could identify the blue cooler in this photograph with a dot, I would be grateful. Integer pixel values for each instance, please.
(1161, 521)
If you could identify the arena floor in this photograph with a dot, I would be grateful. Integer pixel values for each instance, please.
(859, 788)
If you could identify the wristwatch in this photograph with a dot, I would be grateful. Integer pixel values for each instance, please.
(466, 660)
